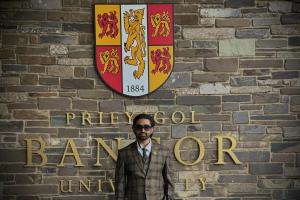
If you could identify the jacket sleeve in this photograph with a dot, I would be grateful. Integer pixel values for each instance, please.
(168, 175)
(120, 178)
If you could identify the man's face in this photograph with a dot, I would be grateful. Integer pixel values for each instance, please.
(143, 129)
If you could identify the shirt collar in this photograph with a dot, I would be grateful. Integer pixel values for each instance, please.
(148, 146)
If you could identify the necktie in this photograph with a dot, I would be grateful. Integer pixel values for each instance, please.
(144, 155)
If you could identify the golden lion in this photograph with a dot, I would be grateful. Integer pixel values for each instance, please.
(110, 61)
(162, 21)
(136, 33)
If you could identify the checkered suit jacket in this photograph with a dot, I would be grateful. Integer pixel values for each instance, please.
(134, 183)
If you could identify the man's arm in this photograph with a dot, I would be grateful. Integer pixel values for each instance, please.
(169, 188)
(120, 178)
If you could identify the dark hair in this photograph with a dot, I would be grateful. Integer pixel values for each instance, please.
(143, 116)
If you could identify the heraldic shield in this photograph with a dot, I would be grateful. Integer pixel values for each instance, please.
(134, 46)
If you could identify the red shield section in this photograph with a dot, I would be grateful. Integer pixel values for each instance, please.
(108, 60)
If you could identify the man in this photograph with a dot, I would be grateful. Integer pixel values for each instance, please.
(143, 167)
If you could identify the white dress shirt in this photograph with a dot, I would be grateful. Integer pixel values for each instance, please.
(147, 147)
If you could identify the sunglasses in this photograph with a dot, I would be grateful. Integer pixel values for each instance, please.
(141, 127)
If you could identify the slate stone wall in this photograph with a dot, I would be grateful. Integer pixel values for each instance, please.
(237, 66)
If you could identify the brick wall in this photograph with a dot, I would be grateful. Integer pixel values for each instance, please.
(237, 66)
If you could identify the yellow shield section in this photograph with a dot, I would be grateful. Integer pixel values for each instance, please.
(107, 24)
(161, 59)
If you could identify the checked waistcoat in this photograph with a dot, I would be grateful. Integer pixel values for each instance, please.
(146, 161)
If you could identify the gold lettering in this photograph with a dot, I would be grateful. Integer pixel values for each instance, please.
(159, 120)
(39, 152)
(110, 152)
(160, 117)
(156, 139)
(100, 115)
(69, 184)
(111, 184)
(177, 150)
(85, 116)
(187, 185)
(203, 183)
(99, 185)
(87, 187)
(114, 117)
(229, 151)
(74, 153)
(119, 142)
(173, 117)
(193, 121)
(70, 116)
(129, 116)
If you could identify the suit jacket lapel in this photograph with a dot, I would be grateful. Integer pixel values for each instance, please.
(154, 155)
(137, 157)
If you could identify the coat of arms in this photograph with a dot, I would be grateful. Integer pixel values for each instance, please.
(134, 46)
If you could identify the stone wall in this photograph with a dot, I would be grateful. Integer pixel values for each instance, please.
(237, 66)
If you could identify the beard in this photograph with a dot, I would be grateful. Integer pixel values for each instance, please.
(143, 136)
